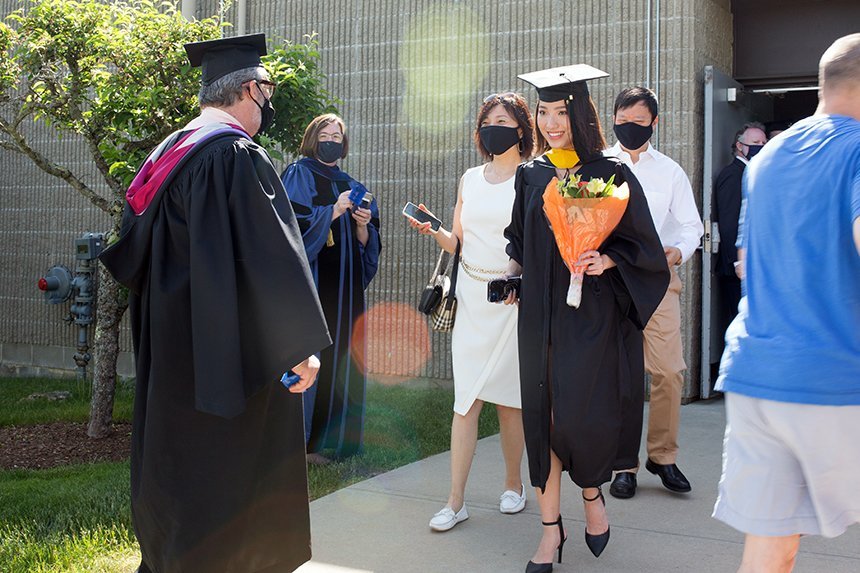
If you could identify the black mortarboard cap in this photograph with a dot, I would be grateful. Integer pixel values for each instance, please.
(562, 83)
(217, 58)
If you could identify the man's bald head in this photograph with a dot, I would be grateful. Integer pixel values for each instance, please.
(839, 78)
(840, 64)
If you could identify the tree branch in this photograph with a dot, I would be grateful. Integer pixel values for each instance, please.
(9, 147)
(145, 144)
(90, 136)
(19, 144)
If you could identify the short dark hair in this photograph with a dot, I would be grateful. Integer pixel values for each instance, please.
(516, 106)
(631, 96)
(587, 135)
(310, 140)
(740, 132)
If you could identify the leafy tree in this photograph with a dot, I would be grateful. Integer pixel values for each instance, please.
(300, 95)
(115, 76)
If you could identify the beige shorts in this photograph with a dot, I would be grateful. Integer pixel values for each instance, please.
(789, 468)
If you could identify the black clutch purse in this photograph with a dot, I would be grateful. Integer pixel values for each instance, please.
(432, 294)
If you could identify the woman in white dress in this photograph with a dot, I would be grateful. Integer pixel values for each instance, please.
(484, 343)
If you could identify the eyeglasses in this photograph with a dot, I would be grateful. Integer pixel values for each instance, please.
(267, 87)
(336, 137)
(499, 96)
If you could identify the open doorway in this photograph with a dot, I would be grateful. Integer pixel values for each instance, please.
(789, 105)
(728, 106)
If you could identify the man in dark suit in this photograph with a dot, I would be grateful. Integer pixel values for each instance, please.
(727, 207)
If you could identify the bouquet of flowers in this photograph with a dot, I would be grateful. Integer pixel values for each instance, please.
(581, 215)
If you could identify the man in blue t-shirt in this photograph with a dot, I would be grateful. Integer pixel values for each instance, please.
(791, 368)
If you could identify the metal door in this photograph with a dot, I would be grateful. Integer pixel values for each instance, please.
(727, 108)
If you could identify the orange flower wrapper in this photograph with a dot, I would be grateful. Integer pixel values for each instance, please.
(581, 225)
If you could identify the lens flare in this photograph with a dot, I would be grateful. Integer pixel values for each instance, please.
(444, 59)
(395, 339)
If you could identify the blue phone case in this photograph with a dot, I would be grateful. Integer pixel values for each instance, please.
(357, 195)
(290, 379)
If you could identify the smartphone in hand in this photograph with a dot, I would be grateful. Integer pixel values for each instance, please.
(411, 210)
(499, 289)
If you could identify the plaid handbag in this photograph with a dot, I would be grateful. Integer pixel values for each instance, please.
(442, 318)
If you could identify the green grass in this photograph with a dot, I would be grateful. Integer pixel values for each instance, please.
(74, 518)
(16, 410)
(77, 518)
(402, 425)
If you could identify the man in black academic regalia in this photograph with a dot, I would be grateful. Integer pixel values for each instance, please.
(222, 304)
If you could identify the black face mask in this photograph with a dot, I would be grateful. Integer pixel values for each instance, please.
(329, 151)
(497, 138)
(267, 113)
(752, 150)
(633, 135)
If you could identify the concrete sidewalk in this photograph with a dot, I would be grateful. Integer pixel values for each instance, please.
(380, 525)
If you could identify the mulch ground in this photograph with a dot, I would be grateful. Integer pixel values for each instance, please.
(60, 444)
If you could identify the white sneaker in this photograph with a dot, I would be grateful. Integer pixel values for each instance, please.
(445, 518)
(513, 502)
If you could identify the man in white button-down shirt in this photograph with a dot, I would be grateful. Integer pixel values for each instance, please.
(677, 221)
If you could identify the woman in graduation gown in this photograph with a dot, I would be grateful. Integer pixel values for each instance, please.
(577, 365)
(342, 244)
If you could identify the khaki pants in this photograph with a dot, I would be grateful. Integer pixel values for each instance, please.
(664, 361)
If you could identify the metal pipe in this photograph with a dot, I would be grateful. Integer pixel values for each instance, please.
(657, 67)
(648, 44)
(241, 16)
(82, 356)
(188, 8)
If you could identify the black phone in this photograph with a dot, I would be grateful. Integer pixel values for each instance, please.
(366, 200)
(412, 210)
(499, 289)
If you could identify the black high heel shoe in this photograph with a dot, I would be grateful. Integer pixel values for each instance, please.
(547, 567)
(596, 543)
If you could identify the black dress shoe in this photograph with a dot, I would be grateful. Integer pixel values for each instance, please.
(670, 475)
(624, 485)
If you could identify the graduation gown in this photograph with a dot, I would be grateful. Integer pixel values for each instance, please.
(222, 304)
(342, 273)
(579, 367)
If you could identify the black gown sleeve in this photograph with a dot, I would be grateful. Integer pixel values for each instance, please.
(253, 303)
(641, 276)
(514, 231)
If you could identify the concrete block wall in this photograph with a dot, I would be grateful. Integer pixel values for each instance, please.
(411, 76)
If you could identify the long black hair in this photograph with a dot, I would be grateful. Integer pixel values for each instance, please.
(586, 133)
